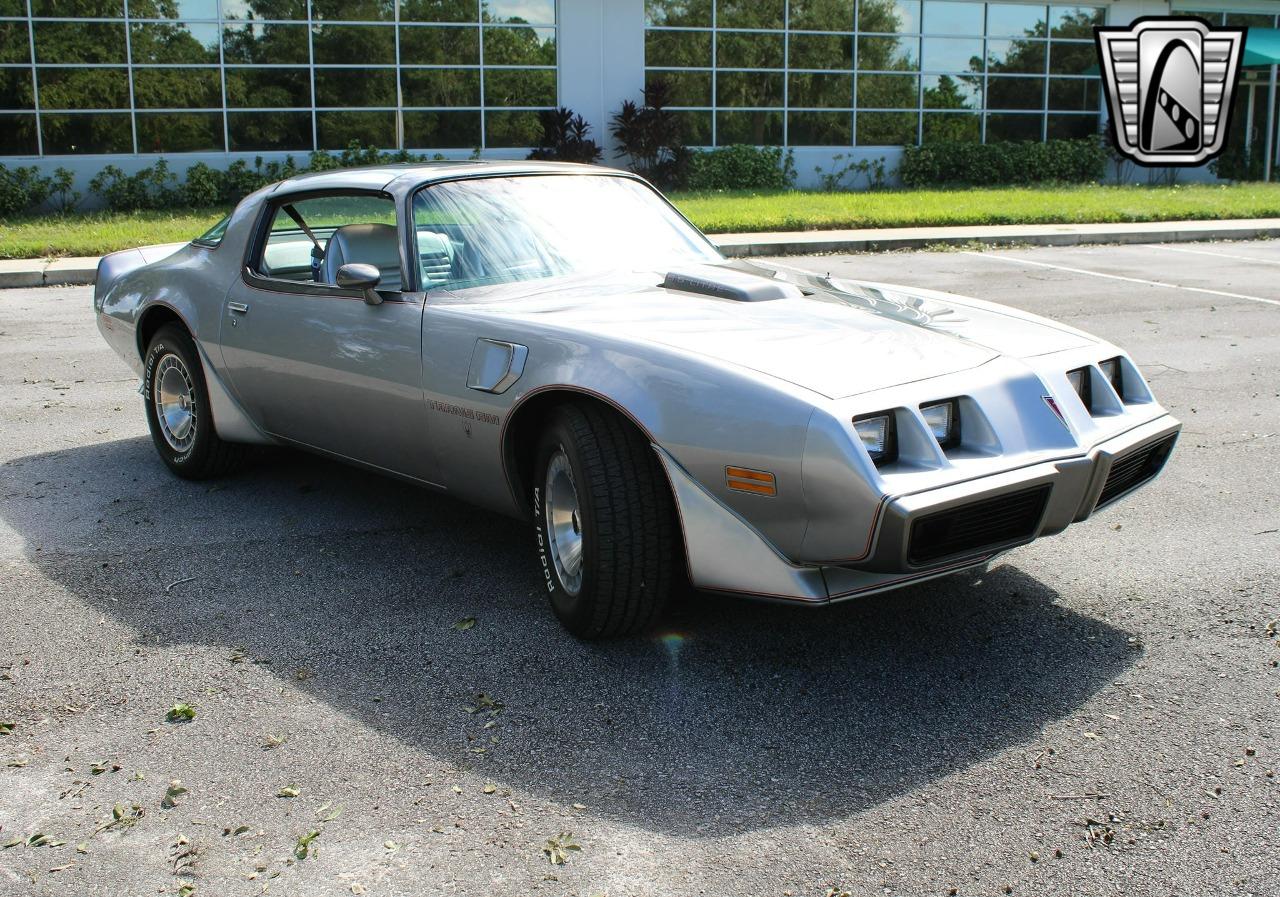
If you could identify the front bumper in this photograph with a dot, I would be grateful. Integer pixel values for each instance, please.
(926, 534)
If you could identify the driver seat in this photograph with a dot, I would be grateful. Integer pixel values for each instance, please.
(365, 244)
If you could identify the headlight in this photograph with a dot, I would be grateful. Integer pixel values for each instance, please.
(876, 433)
(1082, 383)
(943, 419)
(1114, 373)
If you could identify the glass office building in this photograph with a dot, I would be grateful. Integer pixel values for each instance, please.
(210, 78)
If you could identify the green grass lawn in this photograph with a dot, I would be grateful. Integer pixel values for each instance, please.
(100, 232)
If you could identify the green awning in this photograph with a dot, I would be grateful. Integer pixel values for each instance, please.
(1262, 47)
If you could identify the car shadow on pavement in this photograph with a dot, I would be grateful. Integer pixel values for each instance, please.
(733, 716)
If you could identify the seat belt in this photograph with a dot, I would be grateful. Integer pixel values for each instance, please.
(317, 251)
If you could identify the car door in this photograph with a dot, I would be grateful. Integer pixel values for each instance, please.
(317, 364)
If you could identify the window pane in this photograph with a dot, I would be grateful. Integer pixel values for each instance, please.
(820, 128)
(13, 8)
(752, 128)
(1072, 59)
(886, 128)
(277, 131)
(1006, 127)
(174, 42)
(355, 88)
(514, 87)
(535, 12)
(687, 13)
(75, 134)
(15, 89)
(1075, 21)
(1250, 20)
(17, 135)
(438, 11)
(678, 48)
(247, 10)
(441, 130)
(687, 88)
(891, 54)
(1072, 127)
(512, 129)
(71, 9)
(519, 46)
(336, 130)
(750, 13)
(177, 89)
(821, 15)
(953, 92)
(951, 54)
(173, 9)
(366, 44)
(13, 42)
(268, 87)
(1015, 20)
(79, 42)
(439, 46)
(888, 91)
(961, 126)
(742, 49)
(265, 44)
(354, 10)
(1074, 94)
(695, 127)
(179, 132)
(889, 17)
(834, 91)
(1017, 56)
(821, 51)
(950, 17)
(84, 88)
(1015, 93)
(748, 89)
(440, 87)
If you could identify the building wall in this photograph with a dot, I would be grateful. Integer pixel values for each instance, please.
(87, 82)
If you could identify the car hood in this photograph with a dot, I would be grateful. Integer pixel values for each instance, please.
(835, 337)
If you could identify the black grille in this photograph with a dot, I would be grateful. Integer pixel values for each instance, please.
(984, 524)
(1135, 468)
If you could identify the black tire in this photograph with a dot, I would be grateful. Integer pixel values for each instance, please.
(199, 454)
(629, 551)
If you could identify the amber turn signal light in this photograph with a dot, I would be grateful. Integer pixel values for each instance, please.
(744, 479)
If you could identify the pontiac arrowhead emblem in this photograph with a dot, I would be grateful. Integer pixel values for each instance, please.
(1053, 406)
(1169, 85)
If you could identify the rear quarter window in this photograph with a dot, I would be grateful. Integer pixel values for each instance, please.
(213, 236)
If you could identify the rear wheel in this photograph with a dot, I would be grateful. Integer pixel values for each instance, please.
(178, 413)
(605, 524)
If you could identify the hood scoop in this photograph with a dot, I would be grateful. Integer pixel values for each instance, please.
(724, 282)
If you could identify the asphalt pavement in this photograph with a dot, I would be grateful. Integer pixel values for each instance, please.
(377, 684)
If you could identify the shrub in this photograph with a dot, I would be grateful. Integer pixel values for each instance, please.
(61, 197)
(995, 164)
(843, 165)
(153, 187)
(564, 138)
(652, 139)
(203, 186)
(741, 167)
(22, 189)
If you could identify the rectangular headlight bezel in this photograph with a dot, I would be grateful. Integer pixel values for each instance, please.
(1083, 387)
(949, 437)
(888, 452)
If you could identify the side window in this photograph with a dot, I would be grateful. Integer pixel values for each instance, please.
(310, 239)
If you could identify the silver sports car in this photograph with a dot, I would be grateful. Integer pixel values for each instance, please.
(556, 342)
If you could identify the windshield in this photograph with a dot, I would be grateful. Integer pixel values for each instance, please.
(498, 230)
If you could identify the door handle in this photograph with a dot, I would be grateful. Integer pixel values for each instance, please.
(238, 307)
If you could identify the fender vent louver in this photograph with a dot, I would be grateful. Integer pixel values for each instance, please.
(727, 283)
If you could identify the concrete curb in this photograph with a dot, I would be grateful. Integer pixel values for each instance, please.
(885, 239)
(67, 271)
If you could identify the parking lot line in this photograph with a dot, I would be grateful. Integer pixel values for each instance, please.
(1150, 283)
(1217, 255)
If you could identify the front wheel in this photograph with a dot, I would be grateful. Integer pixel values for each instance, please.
(605, 524)
(178, 412)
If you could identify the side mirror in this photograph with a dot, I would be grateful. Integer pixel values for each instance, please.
(361, 277)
